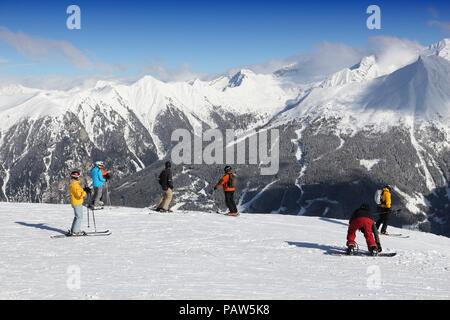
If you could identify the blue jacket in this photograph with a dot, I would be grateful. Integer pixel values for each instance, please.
(97, 177)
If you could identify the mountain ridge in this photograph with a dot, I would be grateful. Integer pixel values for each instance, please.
(398, 122)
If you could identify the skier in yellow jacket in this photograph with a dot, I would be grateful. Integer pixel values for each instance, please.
(77, 195)
(384, 208)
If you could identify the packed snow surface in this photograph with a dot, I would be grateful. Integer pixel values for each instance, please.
(192, 255)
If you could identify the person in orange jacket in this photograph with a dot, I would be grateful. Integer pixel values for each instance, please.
(106, 175)
(228, 183)
(77, 195)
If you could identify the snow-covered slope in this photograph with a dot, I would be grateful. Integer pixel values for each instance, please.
(173, 256)
(369, 68)
(419, 90)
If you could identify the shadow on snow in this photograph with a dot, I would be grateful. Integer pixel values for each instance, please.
(41, 226)
(327, 249)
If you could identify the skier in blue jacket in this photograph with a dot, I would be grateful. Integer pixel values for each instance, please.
(97, 182)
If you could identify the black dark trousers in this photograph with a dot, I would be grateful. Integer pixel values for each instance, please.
(384, 218)
(376, 235)
(229, 201)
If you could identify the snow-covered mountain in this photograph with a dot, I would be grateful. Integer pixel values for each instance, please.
(340, 139)
(160, 256)
(46, 133)
(367, 69)
(441, 49)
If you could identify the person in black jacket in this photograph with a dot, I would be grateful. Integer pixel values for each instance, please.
(165, 180)
(363, 221)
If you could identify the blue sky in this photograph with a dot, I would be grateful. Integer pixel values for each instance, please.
(125, 38)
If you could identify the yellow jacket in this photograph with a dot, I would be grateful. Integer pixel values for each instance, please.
(386, 199)
(77, 193)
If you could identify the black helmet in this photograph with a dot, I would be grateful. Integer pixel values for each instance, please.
(168, 164)
(228, 168)
(365, 206)
(388, 187)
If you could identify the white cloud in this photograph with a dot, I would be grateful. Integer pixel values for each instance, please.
(38, 49)
(3, 61)
(393, 53)
(443, 25)
(180, 73)
(434, 12)
(53, 82)
(327, 58)
(323, 60)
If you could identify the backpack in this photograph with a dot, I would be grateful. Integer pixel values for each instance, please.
(231, 181)
(378, 196)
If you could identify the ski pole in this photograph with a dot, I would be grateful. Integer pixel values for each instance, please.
(108, 197)
(89, 201)
(213, 195)
(93, 218)
(107, 194)
(88, 217)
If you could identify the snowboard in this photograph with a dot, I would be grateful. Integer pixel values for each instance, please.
(361, 254)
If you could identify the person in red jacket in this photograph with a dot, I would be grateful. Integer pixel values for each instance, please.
(105, 173)
(363, 221)
(228, 183)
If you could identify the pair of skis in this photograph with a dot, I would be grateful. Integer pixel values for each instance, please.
(228, 214)
(395, 235)
(86, 234)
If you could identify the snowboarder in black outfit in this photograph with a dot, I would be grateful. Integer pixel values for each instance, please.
(165, 180)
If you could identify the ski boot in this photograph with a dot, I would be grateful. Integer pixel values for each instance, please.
(351, 250)
(373, 251)
(95, 207)
(76, 234)
(380, 249)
